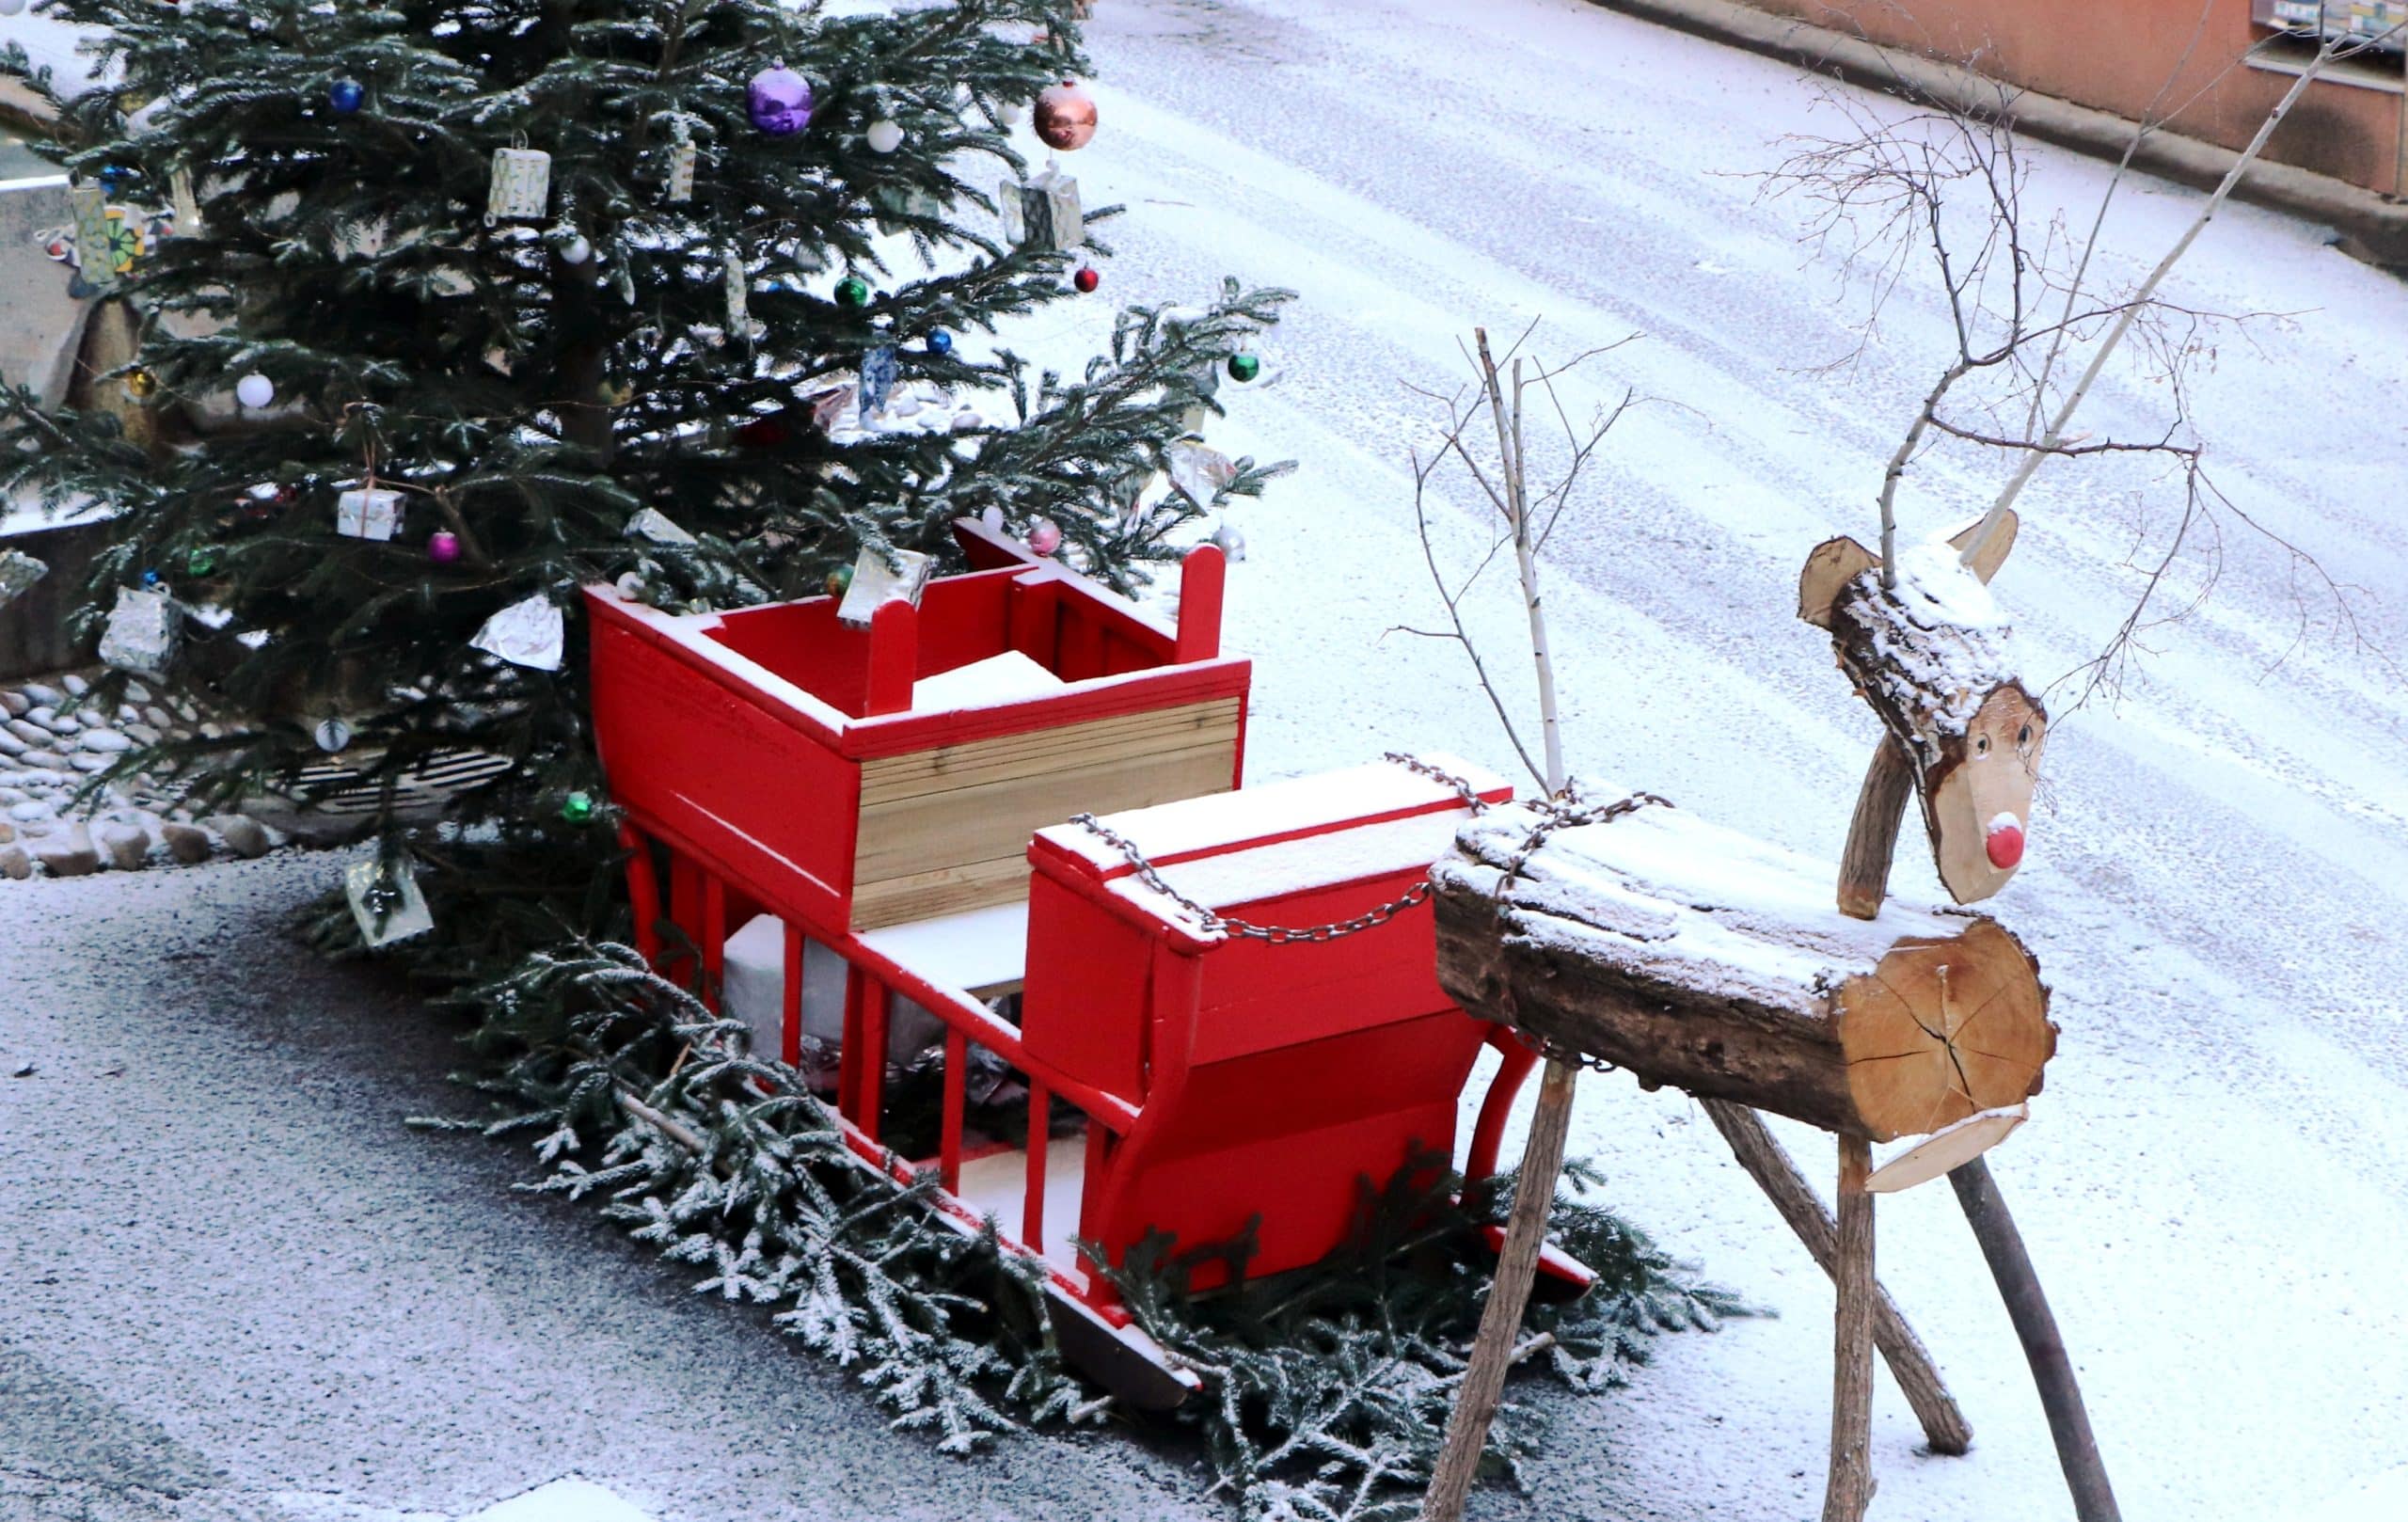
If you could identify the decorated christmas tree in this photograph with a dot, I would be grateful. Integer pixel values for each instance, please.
(425, 314)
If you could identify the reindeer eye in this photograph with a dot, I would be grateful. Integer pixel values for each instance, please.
(2024, 735)
(1981, 745)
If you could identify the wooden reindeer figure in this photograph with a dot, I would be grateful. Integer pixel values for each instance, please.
(1923, 643)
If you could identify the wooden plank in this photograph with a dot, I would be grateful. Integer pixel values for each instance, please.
(947, 890)
(995, 820)
(890, 778)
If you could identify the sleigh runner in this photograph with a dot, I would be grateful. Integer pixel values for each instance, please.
(1005, 821)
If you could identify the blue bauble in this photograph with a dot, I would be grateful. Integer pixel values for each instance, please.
(940, 342)
(114, 177)
(345, 96)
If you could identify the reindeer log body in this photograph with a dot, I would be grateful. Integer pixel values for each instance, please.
(1928, 654)
(1699, 957)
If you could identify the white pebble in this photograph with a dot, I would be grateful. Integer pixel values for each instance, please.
(76, 687)
(107, 742)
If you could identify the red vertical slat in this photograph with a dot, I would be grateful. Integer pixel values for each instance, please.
(1032, 1208)
(714, 938)
(894, 658)
(875, 996)
(957, 1058)
(790, 1042)
(1202, 579)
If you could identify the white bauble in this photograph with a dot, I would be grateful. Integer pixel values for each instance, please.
(253, 392)
(10, 8)
(883, 137)
(577, 251)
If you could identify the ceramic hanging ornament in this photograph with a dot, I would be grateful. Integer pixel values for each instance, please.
(522, 185)
(879, 370)
(683, 160)
(183, 202)
(740, 313)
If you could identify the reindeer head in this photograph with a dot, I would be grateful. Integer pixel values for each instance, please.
(1928, 655)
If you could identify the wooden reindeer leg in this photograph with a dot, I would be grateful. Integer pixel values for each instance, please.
(1517, 1266)
(1945, 1427)
(1872, 834)
(1864, 876)
(2094, 1499)
(1849, 1490)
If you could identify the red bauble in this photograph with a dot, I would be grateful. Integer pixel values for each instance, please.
(1088, 279)
(1065, 116)
(762, 434)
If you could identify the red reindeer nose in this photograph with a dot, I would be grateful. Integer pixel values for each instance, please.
(2006, 846)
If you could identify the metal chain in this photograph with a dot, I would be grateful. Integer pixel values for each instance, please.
(1553, 815)
(1282, 935)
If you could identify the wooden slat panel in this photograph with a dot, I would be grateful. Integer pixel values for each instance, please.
(968, 847)
(920, 773)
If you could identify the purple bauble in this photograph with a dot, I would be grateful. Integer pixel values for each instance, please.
(443, 549)
(779, 101)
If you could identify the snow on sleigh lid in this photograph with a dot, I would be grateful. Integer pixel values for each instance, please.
(1230, 849)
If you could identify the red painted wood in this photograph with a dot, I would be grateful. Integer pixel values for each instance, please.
(1202, 579)
(1031, 1208)
(643, 893)
(956, 1060)
(868, 1060)
(894, 658)
(1488, 1132)
(790, 1021)
(714, 938)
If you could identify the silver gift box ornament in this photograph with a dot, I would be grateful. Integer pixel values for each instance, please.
(1044, 213)
(142, 632)
(369, 513)
(530, 632)
(387, 904)
(876, 584)
(522, 185)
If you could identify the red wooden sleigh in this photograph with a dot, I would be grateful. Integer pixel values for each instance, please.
(861, 833)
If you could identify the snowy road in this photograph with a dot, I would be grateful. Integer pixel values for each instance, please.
(312, 1302)
(2219, 878)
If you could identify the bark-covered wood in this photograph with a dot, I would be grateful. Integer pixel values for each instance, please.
(1873, 832)
(1508, 1295)
(2035, 1326)
(1945, 1427)
(1849, 1487)
(1701, 959)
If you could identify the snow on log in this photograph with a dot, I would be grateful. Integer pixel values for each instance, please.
(1697, 957)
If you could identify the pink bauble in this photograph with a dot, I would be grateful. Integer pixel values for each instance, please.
(1044, 537)
(444, 548)
(1065, 116)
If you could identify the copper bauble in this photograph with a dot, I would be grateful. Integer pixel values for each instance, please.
(1065, 116)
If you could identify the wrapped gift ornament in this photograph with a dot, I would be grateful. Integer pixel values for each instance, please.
(1198, 472)
(880, 577)
(683, 160)
(739, 292)
(93, 229)
(522, 185)
(142, 632)
(530, 632)
(368, 513)
(19, 571)
(1043, 211)
(386, 903)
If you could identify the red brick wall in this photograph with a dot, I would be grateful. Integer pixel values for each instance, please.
(2120, 55)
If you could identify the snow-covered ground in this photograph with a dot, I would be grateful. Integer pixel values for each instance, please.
(2211, 1185)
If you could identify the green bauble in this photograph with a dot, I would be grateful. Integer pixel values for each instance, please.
(852, 290)
(577, 808)
(201, 562)
(1245, 366)
(840, 581)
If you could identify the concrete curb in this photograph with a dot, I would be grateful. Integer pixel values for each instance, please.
(2372, 228)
